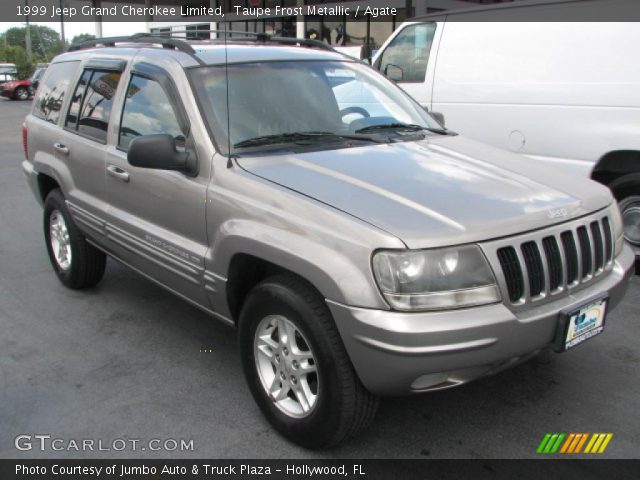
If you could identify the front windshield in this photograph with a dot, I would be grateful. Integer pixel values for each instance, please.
(277, 102)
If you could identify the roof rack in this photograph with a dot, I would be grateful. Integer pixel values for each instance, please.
(183, 45)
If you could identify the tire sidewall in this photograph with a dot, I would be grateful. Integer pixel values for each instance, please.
(319, 427)
(55, 201)
(17, 93)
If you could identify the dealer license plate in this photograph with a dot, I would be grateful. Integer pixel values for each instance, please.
(581, 325)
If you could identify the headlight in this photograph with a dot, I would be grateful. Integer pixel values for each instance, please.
(435, 279)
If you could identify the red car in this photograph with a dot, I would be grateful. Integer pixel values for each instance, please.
(16, 89)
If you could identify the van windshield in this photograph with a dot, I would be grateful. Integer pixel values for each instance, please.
(310, 102)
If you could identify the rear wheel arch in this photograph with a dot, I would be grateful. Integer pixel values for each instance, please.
(46, 184)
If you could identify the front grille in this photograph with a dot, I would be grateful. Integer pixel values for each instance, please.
(533, 262)
(585, 251)
(571, 256)
(598, 246)
(512, 272)
(554, 261)
(537, 267)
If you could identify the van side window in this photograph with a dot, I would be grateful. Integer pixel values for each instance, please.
(147, 110)
(405, 59)
(51, 93)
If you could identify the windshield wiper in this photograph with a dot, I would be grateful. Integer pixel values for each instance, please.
(299, 136)
(410, 127)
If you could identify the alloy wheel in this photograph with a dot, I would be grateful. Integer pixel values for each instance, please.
(59, 240)
(286, 366)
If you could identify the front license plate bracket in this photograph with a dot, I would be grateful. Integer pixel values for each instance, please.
(577, 325)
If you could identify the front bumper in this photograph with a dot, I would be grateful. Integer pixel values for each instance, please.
(397, 353)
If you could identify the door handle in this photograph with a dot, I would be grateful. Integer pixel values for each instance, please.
(118, 173)
(61, 148)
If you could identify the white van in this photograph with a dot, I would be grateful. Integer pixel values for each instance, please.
(8, 72)
(567, 94)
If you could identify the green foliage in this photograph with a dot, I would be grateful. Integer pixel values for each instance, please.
(82, 37)
(18, 55)
(45, 42)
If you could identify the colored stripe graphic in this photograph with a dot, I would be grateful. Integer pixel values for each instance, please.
(573, 443)
(543, 443)
(566, 445)
(598, 443)
(551, 443)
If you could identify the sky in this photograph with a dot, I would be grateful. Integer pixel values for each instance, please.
(71, 29)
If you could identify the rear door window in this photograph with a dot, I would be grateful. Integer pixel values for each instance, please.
(51, 93)
(91, 105)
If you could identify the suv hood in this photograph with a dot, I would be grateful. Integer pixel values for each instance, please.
(435, 192)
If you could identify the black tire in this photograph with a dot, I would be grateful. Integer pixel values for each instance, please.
(19, 93)
(343, 407)
(87, 263)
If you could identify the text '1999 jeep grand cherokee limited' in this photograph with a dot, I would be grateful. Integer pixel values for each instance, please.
(294, 193)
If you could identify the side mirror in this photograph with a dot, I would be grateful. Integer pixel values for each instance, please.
(159, 152)
(393, 72)
(438, 117)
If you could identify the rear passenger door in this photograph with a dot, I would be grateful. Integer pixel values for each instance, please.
(83, 142)
(157, 217)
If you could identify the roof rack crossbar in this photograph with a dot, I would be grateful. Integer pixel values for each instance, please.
(166, 40)
(257, 36)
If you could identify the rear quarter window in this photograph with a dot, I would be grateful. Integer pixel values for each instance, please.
(53, 89)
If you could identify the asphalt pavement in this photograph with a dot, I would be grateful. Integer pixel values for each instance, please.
(127, 360)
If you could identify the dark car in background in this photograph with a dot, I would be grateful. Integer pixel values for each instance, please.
(37, 75)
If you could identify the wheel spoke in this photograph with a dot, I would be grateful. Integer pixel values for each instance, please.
(301, 395)
(291, 337)
(282, 331)
(268, 341)
(307, 368)
(278, 389)
(267, 347)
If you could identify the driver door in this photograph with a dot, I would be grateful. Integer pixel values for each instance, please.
(156, 218)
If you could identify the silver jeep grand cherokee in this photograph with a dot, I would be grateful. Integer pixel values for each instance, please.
(358, 247)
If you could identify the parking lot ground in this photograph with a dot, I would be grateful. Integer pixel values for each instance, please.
(125, 360)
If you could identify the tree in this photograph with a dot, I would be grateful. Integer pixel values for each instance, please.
(45, 42)
(82, 37)
(18, 55)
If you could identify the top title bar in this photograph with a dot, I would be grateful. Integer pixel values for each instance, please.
(345, 10)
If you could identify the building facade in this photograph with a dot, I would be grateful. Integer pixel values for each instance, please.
(337, 30)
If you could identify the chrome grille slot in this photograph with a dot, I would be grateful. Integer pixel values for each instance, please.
(542, 265)
(512, 273)
(585, 252)
(535, 270)
(598, 247)
(554, 260)
(608, 240)
(571, 256)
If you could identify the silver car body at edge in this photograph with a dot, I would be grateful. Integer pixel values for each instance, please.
(322, 215)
